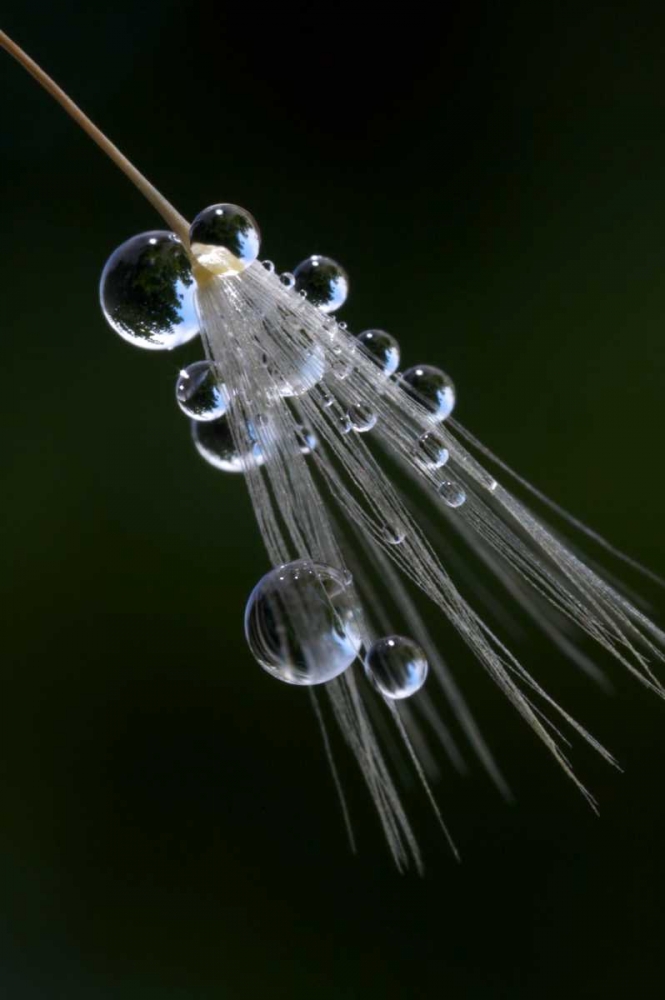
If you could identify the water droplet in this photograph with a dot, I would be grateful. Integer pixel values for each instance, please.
(200, 393)
(147, 292)
(225, 239)
(451, 493)
(269, 266)
(381, 348)
(214, 442)
(393, 534)
(303, 623)
(430, 387)
(432, 451)
(362, 418)
(343, 325)
(287, 279)
(343, 421)
(327, 398)
(324, 281)
(307, 440)
(396, 666)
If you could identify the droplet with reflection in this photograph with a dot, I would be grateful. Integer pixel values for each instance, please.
(146, 292)
(397, 666)
(200, 393)
(225, 239)
(303, 622)
(382, 349)
(430, 387)
(324, 282)
(214, 442)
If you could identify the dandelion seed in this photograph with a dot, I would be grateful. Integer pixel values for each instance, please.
(276, 398)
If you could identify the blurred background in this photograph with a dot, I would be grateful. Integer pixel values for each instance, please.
(492, 177)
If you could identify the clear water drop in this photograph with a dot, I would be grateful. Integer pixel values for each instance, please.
(200, 393)
(303, 623)
(397, 666)
(381, 348)
(307, 440)
(324, 281)
(452, 493)
(269, 266)
(224, 239)
(147, 292)
(287, 279)
(430, 387)
(431, 450)
(327, 398)
(362, 418)
(393, 534)
(214, 442)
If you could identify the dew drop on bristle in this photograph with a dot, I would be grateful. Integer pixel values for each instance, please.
(362, 418)
(431, 450)
(225, 239)
(396, 666)
(381, 348)
(214, 442)
(307, 440)
(147, 292)
(393, 534)
(269, 266)
(452, 493)
(199, 392)
(430, 387)
(287, 279)
(303, 623)
(324, 282)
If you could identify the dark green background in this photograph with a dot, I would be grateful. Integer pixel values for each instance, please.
(495, 186)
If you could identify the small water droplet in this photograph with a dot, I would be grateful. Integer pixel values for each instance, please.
(430, 387)
(147, 290)
(287, 279)
(393, 534)
(324, 282)
(381, 348)
(452, 493)
(303, 623)
(432, 451)
(224, 239)
(200, 393)
(269, 266)
(307, 440)
(214, 442)
(397, 666)
(362, 418)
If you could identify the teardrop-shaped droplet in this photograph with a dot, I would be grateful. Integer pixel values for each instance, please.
(200, 393)
(431, 450)
(324, 281)
(382, 349)
(362, 418)
(452, 493)
(393, 534)
(430, 387)
(396, 666)
(303, 623)
(224, 239)
(307, 440)
(147, 292)
(214, 442)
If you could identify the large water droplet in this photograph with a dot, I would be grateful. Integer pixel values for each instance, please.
(200, 393)
(225, 239)
(451, 493)
(147, 292)
(396, 666)
(324, 281)
(303, 623)
(432, 451)
(214, 442)
(430, 387)
(381, 348)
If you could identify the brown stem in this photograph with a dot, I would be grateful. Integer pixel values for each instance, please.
(172, 217)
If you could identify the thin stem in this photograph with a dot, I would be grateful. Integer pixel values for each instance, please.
(172, 217)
